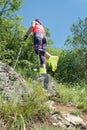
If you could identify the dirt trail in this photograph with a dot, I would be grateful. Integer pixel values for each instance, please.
(65, 109)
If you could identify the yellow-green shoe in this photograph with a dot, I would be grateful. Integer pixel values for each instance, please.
(43, 70)
(53, 60)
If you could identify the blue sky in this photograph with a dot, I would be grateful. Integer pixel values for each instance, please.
(57, 15)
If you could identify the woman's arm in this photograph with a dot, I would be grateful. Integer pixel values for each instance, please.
(29, 31)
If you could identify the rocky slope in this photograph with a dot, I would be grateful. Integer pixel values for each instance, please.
(13, 87)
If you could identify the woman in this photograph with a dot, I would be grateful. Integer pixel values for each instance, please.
(40, 43)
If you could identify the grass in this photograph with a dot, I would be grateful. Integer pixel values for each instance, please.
(75, 112)
(76, 94)
(48, 127)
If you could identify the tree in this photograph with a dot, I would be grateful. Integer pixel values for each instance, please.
(78, 41)
(79, 34)
(8, 7)
(11, 31)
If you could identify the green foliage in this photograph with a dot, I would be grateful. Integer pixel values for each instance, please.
(11, 31)
(27, 69)
(7, 8)
(78, 42)
(10, 39)
(79, 34)
(71, 67)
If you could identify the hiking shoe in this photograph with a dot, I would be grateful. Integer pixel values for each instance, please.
(53, 60)
(43, 70)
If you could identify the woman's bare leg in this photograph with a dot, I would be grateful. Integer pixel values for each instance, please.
(47, 55)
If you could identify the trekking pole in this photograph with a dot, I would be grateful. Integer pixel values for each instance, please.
(18, 56)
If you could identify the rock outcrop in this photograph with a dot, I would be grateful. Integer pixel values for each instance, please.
(65, 120)
(48, 84)
(12, 85)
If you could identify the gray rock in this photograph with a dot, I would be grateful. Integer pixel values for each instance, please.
(12, 85)
(48, 84)
(66, 121)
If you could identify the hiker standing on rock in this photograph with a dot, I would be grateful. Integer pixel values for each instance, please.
(40, 43)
